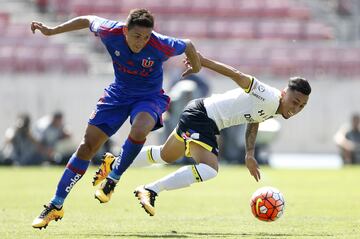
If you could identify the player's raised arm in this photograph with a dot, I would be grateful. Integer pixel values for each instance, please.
(76, 23)
(250, 139)
(194, 64)
(243, 80)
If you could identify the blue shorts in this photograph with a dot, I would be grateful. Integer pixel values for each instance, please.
(113, 110)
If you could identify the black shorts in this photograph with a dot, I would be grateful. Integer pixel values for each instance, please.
(195, 125)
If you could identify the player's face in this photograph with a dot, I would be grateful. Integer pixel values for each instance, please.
(137, 37)
(292, 102)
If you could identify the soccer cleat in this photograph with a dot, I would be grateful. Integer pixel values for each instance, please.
(104, 169)
(48, 214)
(146, 198)
(104, 192)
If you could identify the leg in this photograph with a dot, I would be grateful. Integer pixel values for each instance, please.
(185, 176)
(346, 156)
(145, 115)
(142, 125)
(203, 156)
(199, 133)
(94, 138)
(172, 150)
(169, 152)
(206, 169)
(74, 170)
(78, 163)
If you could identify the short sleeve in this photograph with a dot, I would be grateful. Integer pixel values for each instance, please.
(171, 46)
(103, 27)
(251, 86)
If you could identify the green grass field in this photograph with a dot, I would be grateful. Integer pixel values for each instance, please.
(319, 204)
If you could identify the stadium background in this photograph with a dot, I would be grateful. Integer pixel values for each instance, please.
(271, 39)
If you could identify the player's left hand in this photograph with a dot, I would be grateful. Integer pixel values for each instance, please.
(47, 31)
(253, 167)
(189, 70)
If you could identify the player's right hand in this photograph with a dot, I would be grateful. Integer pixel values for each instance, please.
(187, 64)
(253, 167)
(47, 31)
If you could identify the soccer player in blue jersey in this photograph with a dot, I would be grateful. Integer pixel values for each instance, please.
(137, 53)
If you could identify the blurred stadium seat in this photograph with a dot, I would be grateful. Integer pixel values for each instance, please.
(264, 36)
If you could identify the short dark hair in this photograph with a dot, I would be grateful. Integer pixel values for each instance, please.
(57, 114)
(140, 17)
(299, 84)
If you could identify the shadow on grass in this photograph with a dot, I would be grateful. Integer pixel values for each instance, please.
(174, 234)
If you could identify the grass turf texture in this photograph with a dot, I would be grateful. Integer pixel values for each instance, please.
(319, 204)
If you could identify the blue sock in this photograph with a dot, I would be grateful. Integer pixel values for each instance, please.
(74, 170)
(130, 150)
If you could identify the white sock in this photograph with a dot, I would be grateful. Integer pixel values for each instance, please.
(148, 155)
(183, 177)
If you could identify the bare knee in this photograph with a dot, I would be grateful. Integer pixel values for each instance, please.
(138, 133)
(170, 155)
(86, 151)
(167, 157)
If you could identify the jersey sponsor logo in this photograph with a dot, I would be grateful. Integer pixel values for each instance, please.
(124, 69)
(263, 115)
(147, 63)
(261, 112)
(249, 118)
(73, 181)
(258, 96)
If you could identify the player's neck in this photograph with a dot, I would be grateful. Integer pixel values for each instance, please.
(131, 51)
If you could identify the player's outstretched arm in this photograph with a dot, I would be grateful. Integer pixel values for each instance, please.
(243, 80)
(76, 23)
(250, 161)
(194, 65)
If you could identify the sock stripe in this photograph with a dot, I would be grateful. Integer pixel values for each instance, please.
(135, 141)
(196, 173)
(149, 156)
(75, 170)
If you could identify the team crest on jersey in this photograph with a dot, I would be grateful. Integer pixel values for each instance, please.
(147, 63)
(261, 88)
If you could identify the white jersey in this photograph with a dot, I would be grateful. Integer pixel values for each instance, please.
(254, 105)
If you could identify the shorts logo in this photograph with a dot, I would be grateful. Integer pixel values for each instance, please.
(117, 53)
(147, 63)
(93, 114)
(195, 136)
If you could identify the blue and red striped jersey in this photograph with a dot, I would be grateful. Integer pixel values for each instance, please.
(136, 74)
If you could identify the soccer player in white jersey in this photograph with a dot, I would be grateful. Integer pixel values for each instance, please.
(202, 119)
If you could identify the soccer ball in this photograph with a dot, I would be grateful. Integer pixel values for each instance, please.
(267, 204)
